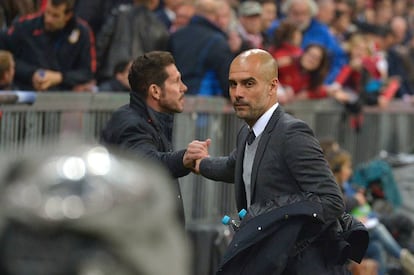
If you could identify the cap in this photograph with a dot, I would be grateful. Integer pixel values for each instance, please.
(249, 8)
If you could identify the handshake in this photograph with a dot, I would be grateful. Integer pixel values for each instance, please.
(196, 151)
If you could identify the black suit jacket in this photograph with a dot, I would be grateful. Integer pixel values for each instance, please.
(288, 160)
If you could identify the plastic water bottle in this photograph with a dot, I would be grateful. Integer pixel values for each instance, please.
(234, 224)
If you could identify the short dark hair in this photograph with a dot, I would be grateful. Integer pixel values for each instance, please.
(121, 66)
(149, 69)
(70, 4)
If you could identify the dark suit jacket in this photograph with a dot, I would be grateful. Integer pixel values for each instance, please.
(288, 160)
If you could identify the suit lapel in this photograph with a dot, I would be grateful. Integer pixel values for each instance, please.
(263, 142)
(239, 183)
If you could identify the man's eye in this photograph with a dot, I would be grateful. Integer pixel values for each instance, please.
(249, 84)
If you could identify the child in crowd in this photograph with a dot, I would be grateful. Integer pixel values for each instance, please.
(381, 239)
(286, 51)
(7, 70)
(364, 79)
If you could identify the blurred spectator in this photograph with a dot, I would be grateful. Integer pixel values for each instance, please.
(54, 50)
(306, 74)
(95, 11)
(250, 24)
(167, 13)
(342, 26)
(11, 9)
(130, 31)
(383, 13)
(202, 53)
(286, 50)
(364, 80)
(119, 82)
(326, 11)
(269, 13)
(356, 203)
(302, 13)
(7, 70)
(228, 22)
(400, 57)
(183, 14)
(399, 27)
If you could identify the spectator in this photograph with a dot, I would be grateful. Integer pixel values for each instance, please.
(356, 203)
(286, 50)
(202, 52)
(130, 31)
(7, 70)
(306, 74)
(183, 15)
(269, 12)
(250, 24)
(228, 22)
(167, 13)
(96, 11)
(326, 11)
(400, 57)
(342, 26)
(365, 76)
(119, 81)
(144, 126)
(54, 50)
(302, 13)
(10, 10)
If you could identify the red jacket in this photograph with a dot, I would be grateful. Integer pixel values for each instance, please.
(299, 80)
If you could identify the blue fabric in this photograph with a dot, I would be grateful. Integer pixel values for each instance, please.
(378, 170)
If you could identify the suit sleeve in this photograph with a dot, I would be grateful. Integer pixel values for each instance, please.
(219, 168)
(309, 168)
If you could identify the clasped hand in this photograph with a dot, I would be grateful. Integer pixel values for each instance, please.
(196, 151)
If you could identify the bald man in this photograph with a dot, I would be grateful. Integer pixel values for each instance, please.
(281, 178)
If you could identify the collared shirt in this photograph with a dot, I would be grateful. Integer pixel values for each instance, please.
(250, 150)
(261, 123)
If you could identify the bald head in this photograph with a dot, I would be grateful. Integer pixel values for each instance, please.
(261, 60)
(253, 84)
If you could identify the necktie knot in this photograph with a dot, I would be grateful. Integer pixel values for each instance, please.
(250, 137)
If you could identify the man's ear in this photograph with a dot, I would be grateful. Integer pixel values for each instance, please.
(154, 91)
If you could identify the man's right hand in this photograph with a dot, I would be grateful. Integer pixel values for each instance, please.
(196, 150)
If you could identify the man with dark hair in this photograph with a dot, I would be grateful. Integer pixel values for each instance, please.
(144, 126)
(54, 50)
(119, 81)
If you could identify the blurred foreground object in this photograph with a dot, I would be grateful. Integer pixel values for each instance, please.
(81, 210)
(17, 97)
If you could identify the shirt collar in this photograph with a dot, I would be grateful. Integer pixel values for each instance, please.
(261, 123)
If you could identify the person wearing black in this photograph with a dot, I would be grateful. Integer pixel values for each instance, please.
(144, 126)
(53, 50)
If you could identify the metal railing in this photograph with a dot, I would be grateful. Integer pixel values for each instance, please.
(55, 115)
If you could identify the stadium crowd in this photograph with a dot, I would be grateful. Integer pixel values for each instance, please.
(359, 52)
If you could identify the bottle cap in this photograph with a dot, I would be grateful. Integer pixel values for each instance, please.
(242, 213)
(226, 220)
